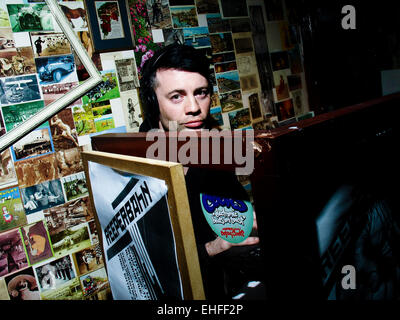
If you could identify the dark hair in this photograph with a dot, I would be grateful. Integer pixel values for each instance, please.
(174, 56)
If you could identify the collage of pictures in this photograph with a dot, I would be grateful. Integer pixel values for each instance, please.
(49, 247)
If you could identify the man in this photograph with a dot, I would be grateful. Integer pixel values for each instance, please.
(175, 91)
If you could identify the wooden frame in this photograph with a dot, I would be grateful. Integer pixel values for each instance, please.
(126, 41)
(179, 210)
(45, 113)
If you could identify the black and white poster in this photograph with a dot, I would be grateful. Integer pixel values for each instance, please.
(138, 240)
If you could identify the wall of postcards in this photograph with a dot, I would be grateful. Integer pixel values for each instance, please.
(49, 246)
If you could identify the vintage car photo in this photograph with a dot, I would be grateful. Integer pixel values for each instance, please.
(56, 69)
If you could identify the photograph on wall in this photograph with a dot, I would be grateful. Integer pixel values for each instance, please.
(89, 259)
(225, 66)
(285, 109)
(4, 18)
(228, 81)
(252, 101)
(294, 82)
(109, 20)
(173, 36)
(249, 82)
(75, 186)
(132, 112)
(104, 123)
(246, 65)
(197, 37)
(7, 40)
(36, 143)
(240, 25)
(216, 24)
(216, 114)
(243, 45)
(281, 88)
(36, 170)
(221, 42)
(70, 239)
(231, 101)
(159, 16)
(22, 286)
(223, 57)
(36, 242)
(127, 74)
(55, 274)
(184, 17)
(76, 14)
(207, 6)
(8, 176)
(30, 17)
(24, 61)
(297, 97)
(53, 92)
(56, 69)
(138, 268)
(70, 290)
(20, 89)
(106, 90)
(12, 253)
(69, 161)
(280, 60)
(231, 9)
(68, 215)
(239, 119)
(94, 282)
(63, 130)
(49, 44)
(12, 209)
(16, 114)
(42, 196)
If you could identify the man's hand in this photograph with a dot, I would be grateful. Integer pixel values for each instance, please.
(220, 245)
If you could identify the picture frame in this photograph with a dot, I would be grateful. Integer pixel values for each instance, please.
(120, 171)
(114, 31)
(43, 114)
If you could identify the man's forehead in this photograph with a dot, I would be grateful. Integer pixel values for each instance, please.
(173, 73)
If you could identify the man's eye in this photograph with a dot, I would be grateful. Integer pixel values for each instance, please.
(202, 93)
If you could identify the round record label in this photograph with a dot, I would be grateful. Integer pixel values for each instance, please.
(230, 219)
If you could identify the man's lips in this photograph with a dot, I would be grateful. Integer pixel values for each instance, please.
(194, 124)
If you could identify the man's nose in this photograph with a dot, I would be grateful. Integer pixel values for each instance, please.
(192, 105)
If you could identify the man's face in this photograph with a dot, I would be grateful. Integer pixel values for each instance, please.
(183, 98)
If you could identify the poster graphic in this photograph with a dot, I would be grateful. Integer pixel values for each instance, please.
(138, 241)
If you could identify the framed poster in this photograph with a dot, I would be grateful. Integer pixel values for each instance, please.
(38, 115)
(110, 25)
(146, 234)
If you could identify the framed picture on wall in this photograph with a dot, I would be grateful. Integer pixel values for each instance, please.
(110, 25)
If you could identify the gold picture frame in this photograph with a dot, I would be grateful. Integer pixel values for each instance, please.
(171, 173)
